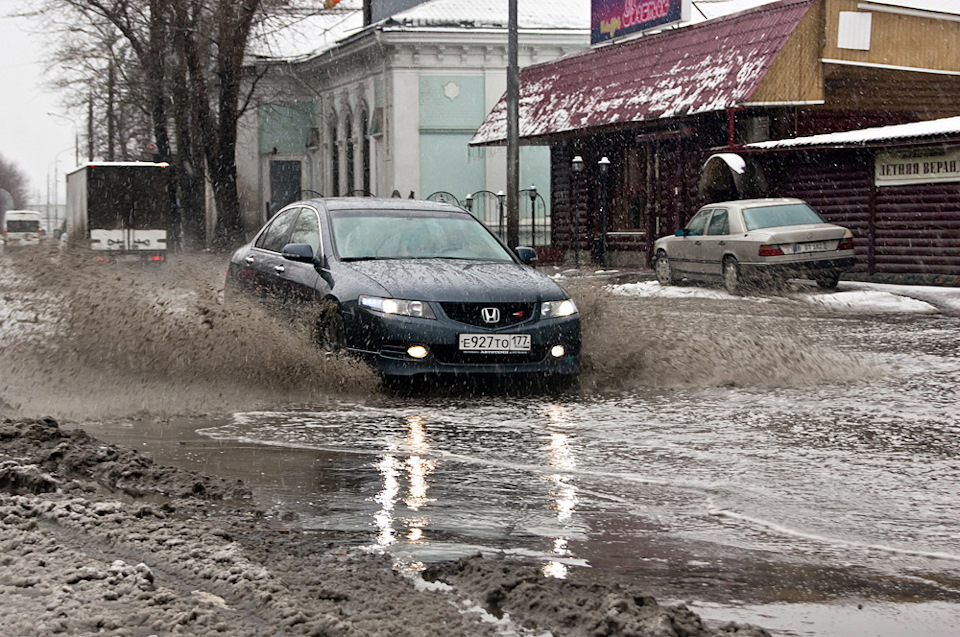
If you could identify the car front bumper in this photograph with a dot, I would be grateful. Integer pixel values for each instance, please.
(382, 342)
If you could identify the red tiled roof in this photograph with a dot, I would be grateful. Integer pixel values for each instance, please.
(695, 69)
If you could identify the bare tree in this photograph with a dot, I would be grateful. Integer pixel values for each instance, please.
(221, 50)
(14, 181)
(181, 63)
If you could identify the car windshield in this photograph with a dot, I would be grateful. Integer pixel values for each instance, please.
(378, 234)
(794, 214)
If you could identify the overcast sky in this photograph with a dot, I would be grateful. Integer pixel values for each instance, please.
(43, 146)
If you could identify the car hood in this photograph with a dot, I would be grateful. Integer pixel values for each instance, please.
(446, 280)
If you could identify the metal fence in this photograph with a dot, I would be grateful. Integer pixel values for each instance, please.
(491, 208)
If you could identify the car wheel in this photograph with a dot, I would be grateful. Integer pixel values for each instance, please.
(732, 282)
(663, 270)
(231, 292)
(330, 333)
(828, 281)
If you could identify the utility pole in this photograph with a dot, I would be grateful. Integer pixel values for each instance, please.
(90, 127)
(513, 130)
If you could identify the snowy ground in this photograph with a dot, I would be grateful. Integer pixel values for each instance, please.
(96, 539)
(850, 296)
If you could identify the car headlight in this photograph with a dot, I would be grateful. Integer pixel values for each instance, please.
(558, 309)
(399, 307)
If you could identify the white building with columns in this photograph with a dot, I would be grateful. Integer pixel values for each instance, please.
(387, 109)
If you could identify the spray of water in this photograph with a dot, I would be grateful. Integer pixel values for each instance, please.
(81, 339)
(122, 338)
(631, 343)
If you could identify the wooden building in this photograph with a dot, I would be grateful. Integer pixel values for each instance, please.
(658, 106)
(896, 187)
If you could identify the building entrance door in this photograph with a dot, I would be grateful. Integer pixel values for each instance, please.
(285, 183)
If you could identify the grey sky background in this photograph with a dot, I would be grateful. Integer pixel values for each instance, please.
(40, 144)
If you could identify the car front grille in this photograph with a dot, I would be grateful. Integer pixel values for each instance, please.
(473, 313)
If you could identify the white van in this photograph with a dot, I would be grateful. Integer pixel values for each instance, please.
(22, 227)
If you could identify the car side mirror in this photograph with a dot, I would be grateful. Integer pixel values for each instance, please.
(302, 252)
(680, 233)
(527, 256)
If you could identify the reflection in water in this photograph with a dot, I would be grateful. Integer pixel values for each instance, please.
(389, 468)
(561, 457)
(418, 467)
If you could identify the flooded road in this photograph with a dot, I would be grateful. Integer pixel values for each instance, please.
(791, 460)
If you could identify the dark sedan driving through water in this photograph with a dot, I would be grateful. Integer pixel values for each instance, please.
(412, 288)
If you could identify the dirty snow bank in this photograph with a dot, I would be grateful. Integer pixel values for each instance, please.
(96, 539)
(849, 297)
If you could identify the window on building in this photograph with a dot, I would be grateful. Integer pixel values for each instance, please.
(334, 158)
(365, 145)
(351, 152)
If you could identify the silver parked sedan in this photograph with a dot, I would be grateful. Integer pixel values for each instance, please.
(755, 241)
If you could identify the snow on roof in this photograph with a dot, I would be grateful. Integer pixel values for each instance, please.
(306, 31)
(558, 14)
(935, 6)
(949, 126)
(710, 9)
(695, 69)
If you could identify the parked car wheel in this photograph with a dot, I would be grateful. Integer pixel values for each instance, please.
(663, 269)
(732, 281)
(828, 281)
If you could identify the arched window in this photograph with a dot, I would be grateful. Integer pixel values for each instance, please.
(365, 148)
(332, 129)
(351, 152)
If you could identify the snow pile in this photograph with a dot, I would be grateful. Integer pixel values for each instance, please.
(852, 297)
(872, 301)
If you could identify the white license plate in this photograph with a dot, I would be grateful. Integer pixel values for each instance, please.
(494, 343)
(813, 246)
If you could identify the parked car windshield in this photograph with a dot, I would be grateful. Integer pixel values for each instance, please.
(794, 214)
(378, 234)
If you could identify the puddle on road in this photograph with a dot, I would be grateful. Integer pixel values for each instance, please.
(666, 463)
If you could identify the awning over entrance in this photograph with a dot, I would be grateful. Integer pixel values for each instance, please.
(730, 176)
(706, 67)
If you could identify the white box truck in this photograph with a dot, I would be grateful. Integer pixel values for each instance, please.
(119, 209)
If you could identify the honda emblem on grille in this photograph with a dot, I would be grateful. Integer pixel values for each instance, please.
(490, 315)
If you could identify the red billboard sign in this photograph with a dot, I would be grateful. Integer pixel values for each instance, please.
(614, 18)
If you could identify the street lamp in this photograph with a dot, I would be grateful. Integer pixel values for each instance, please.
(533, 216)
(577, 167)
(604, 165)
(500, 197)
(76, 135)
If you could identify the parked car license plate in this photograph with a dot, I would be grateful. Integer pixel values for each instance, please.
(494, 343)
(813, 246)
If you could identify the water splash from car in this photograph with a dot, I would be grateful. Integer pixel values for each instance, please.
(81, 339)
